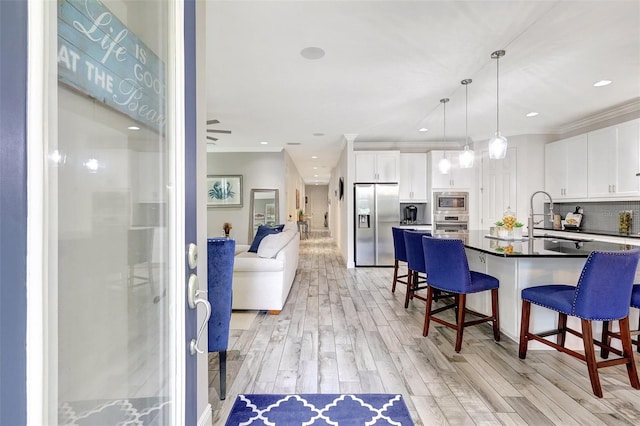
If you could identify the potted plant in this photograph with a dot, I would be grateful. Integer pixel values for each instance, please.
(502, 232)
(517, 230)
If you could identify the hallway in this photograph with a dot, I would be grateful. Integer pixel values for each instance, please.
(343, 331)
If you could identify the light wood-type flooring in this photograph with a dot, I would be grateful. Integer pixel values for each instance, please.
(343, 331)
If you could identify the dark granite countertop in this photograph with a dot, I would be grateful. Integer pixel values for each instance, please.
(541, 246)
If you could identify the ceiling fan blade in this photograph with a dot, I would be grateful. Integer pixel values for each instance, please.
(228, 132)
(211, 138)
(213, 121)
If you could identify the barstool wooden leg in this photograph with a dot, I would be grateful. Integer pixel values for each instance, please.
(638, 336)
(627, 351)
(590, 355)
(427, 313)
(562, 327)
(410, 276)
(605, 339)
(524, 329)
(495, 312)
(395, 276)
(462, 302)
(223, 374)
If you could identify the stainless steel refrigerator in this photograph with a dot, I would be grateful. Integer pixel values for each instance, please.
(377, 209)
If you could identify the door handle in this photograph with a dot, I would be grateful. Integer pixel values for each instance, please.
(194, 299)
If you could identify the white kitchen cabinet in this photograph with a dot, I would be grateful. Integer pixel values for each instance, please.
(566, 168)
(457, 178)
(377, 166)
(413, 177)
(614, 160)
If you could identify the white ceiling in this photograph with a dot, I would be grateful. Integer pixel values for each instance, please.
(388, 64)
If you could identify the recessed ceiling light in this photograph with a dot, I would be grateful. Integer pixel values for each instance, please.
(315, 168)
(312, 53)
(424, 129)
(602, 83)
(318, 134)
(315, 175)
(133, 128)
(264, 143)
(532, 114)
(314, 157)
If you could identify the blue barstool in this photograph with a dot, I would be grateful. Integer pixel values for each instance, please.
(400, 255)
(220, 258)
(415, 263)
(448, 270)
(606, 326)
(602, 294)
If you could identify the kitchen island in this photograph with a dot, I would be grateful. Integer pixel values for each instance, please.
(530, 262)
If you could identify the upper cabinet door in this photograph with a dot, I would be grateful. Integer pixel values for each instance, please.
(601, 162)
(413, 177)
(387, 164)
(377, 166)
(614, 160)
(628, 159)
(566, 168)
(555, 172)
(365, 166)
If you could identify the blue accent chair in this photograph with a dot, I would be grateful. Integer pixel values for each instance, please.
(220, 257)
(603, 293)
(416, 274)
(606, 326)
(448, 271)
(400, 255)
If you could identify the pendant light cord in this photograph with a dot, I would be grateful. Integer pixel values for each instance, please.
(497, 94)
(466, 115)
(444, 101)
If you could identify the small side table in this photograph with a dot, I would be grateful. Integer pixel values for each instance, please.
(303, 228)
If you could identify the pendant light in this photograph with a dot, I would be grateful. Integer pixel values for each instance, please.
(498, 143)
(444, 164)
(467, 156)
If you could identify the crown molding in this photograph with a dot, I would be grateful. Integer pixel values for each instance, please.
(600, 117)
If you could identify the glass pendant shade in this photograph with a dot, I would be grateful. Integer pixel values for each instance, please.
(444, 165)
(466, 158)
(498, 147)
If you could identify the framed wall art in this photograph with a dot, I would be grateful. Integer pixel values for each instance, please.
(224, 191)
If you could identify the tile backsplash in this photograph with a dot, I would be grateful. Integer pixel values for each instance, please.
(600, 216)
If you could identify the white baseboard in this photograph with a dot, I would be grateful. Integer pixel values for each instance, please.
(205, 418)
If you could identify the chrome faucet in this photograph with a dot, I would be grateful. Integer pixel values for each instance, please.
(531, 223)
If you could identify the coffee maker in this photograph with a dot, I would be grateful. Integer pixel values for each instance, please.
(410, 214)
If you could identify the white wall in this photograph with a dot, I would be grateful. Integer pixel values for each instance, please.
(293, 182)
(259, 170)
(341, 211)
(264, 170)
(317, 205)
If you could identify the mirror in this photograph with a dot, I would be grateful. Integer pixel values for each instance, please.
(264, 209)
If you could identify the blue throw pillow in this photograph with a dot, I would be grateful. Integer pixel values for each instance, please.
(263, 231)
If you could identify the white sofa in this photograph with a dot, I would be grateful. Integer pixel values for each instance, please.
(262, 280)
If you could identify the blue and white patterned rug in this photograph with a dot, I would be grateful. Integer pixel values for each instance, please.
(121, 412)
(319, 409)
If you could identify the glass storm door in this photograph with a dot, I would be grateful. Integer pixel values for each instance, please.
(115, 215)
